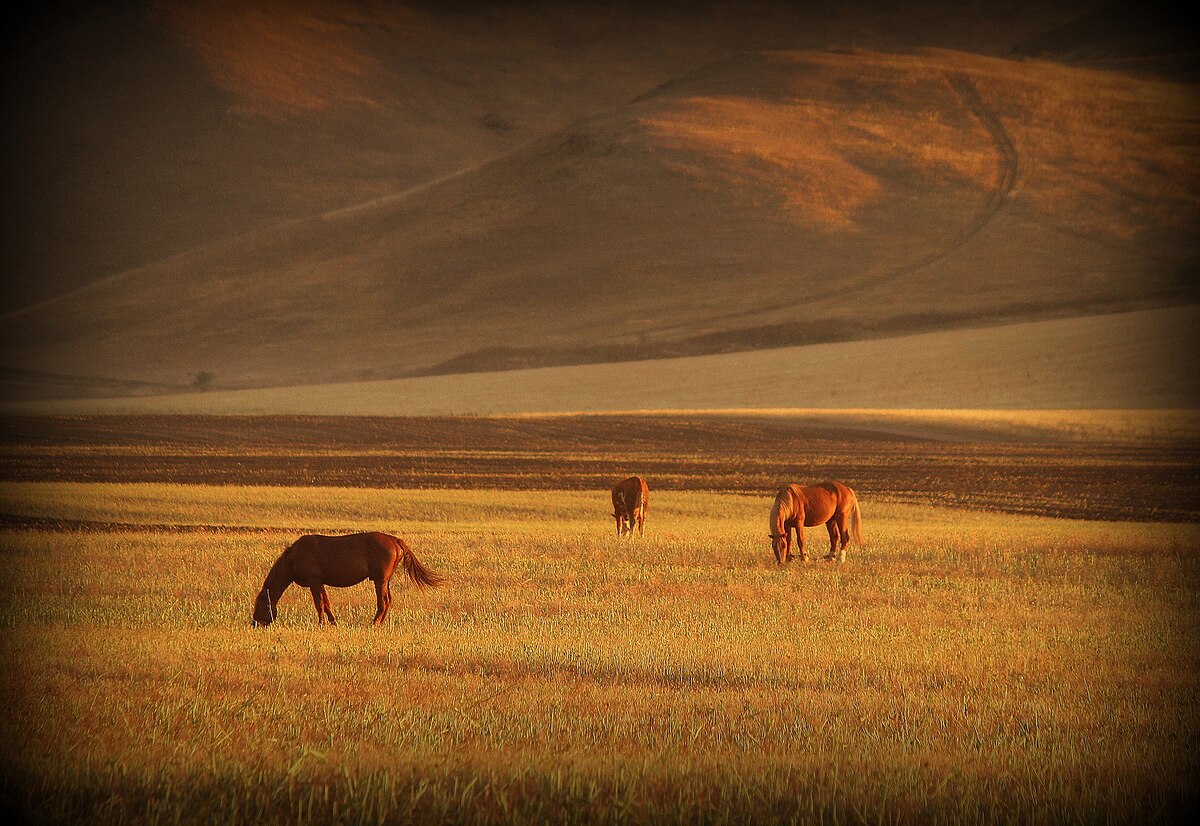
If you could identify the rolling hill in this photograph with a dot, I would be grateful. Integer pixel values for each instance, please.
(706, 200)
(140, 129)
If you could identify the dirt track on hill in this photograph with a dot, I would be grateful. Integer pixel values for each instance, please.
(1100, 481)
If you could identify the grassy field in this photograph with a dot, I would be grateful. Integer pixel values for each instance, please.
(963, 666)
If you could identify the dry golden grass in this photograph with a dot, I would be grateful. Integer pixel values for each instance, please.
(963, 667)
(1091, 159)
(276, 59)
(779, 149)
(826, 144)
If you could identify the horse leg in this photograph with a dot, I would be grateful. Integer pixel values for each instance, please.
(803, 554)
(316, 595)
(326, 606)
(383, 600)
(845, 531)
(378, 602)
(642, 523)
(834, 536)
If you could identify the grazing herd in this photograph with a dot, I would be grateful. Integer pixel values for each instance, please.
(315, 562)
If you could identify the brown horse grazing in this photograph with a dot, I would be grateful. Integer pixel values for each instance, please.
(797, 508)
(314, 561)
(630, 500)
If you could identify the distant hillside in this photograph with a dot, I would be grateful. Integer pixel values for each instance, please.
(1119, 361)
(1150, 37)
(764, 200)
(139, 130)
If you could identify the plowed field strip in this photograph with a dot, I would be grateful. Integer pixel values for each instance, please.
(1125, 482)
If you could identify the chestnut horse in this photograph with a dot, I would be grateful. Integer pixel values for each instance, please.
(314, 561)
(829, 503)
(630, 500)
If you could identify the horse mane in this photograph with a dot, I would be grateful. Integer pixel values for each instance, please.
(631, 494)
(279, 571)
(781, 511)
(278, 579)
(631, 500)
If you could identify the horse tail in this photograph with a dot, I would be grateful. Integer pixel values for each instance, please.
(855, 519)
(417, 572)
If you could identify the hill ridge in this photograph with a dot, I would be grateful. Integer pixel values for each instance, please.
(1124, 360)
(655, 226)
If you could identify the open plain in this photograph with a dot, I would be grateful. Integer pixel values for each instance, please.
(979, 659)
(450, 270)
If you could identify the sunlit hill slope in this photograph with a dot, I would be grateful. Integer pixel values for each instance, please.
(139, 129)
(774, 198)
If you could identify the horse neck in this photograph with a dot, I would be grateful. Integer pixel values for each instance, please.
(278, 579)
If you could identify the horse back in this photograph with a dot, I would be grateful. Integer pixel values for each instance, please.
(630, 495)
(821, 502)
(342, 561)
